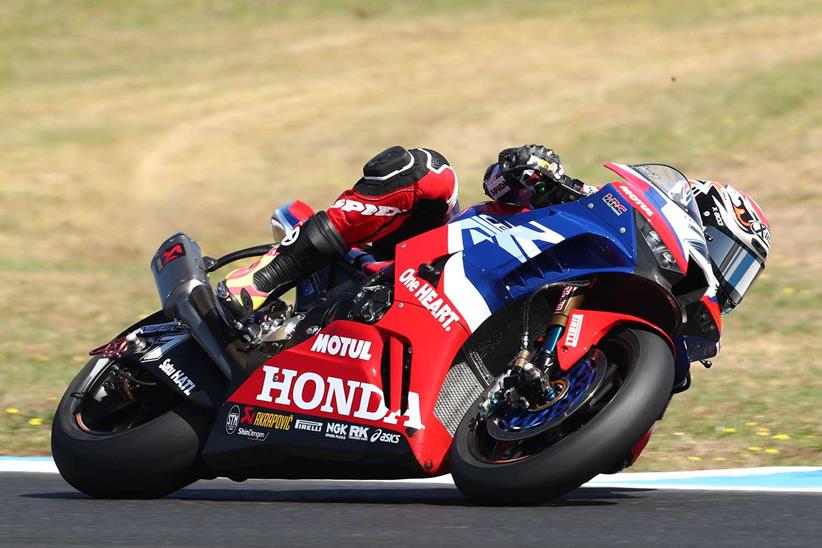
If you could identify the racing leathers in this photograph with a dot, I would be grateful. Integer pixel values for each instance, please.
(402, 193)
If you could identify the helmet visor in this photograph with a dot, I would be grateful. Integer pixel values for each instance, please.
(735, 266)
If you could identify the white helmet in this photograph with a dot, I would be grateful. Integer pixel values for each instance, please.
(738, 236)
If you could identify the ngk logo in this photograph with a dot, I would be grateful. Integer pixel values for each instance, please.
(639, 203)
(309, 391)
(342, 346)
(336, 430)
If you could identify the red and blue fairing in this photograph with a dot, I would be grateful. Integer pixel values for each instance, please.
(644, 251)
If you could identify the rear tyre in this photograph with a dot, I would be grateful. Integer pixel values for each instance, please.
(146, 457)
(638, 390)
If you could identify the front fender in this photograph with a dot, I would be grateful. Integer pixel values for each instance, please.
(587, 327)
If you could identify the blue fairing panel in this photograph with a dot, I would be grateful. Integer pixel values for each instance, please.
(508, 256)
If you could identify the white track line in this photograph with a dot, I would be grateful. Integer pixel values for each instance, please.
(649, 480)
(28, 464)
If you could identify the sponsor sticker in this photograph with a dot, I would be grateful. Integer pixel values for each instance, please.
(307, 391)
(717, 216)
(636, 200)
(574, 328)
(265, 419)
(232, 421)
(334, 345)
(615, 205)
(336, 430)
(169, 254)
(357, 432)
(252, 434)
(309, 426)
(380, 435)
(182, 381)
(429, 298)
(498, 188)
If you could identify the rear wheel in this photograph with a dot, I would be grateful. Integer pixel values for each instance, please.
(609, 401)
(117, 433)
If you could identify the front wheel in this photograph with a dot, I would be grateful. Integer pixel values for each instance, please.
(119, 434)
(539, 457)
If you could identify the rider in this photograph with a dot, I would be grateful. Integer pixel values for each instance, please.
(401, 194)
(404, 193)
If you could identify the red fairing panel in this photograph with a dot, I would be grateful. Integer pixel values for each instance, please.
(587, 327)
(713, 308)
(336, 374)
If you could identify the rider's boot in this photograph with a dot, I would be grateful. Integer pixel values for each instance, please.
(306, 249)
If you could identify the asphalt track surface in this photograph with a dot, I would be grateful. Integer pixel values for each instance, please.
(41, 509)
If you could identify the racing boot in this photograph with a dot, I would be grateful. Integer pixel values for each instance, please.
(306, 249)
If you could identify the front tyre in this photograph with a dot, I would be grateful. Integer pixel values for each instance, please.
(633, 395)
(111, 446)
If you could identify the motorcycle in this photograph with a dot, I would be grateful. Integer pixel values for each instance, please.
(523, 353)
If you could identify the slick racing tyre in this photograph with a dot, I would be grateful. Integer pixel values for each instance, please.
(629, 386)
(138, 441)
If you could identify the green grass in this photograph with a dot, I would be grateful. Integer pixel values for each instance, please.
(123, 122)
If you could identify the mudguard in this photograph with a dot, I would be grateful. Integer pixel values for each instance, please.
(587, 327)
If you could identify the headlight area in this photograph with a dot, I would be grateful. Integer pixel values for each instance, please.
(663, 256)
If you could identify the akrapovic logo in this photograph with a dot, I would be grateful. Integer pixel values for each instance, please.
(635, 199)
(334, 345)
(308, 391)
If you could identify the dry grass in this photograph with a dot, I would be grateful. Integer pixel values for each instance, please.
(123, 122)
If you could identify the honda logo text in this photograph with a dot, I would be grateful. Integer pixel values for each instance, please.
(308, 391)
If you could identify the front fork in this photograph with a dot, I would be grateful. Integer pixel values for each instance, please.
(530, 382)
(570, 298)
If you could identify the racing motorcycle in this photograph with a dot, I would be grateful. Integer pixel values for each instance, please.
(523, 353)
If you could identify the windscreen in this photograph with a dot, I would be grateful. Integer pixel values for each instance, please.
(673, 184)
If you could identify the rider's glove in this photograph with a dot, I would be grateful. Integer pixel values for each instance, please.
(528, 164)
(538, 171)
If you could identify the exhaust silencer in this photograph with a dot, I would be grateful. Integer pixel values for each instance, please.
(186, 295)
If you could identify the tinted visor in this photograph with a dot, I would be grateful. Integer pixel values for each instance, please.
(734, 265)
